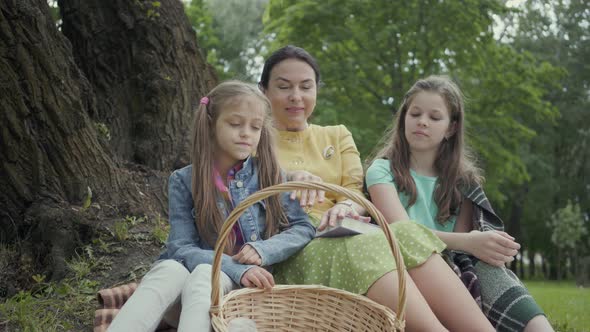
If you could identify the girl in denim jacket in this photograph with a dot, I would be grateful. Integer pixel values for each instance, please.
(232, 123)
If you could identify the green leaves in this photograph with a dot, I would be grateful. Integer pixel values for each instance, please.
(568, 226)
(87, 199)
(371, 52)
(228, 33)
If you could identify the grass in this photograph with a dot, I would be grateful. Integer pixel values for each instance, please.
(68, 305)
(565, 305)
(63, 306)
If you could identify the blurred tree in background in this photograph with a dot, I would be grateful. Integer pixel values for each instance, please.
(228, 31)
(557, 160)
(567, 225)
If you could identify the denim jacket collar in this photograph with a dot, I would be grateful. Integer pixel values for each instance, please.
(247, 169)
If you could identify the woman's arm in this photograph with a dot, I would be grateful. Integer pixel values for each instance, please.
(307, 197)
(351, 175)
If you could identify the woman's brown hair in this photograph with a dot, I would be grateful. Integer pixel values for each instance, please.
(208, 217)
(454, 162)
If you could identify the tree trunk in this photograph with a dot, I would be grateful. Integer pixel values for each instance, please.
(558, 264)
(513, 225)
(147, 72)
(544, 268)
(574, 260)
(521, 264)
(532, 271)
(513, 266)
(53, 148)
(49, 149)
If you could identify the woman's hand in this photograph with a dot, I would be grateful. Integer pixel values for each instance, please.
(248, 256)
(308, 197)
(338, 212)
(493, 247)
(258, 277)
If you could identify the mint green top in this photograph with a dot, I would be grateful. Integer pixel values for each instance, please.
(424, 210)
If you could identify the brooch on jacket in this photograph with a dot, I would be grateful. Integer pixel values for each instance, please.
(328, 152)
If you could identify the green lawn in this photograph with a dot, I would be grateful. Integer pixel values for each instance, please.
(566, 306)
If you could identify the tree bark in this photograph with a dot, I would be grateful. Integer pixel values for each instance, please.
(147, 72)
(49, 149)
(53, 148)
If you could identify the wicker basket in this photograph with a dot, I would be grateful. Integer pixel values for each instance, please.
(305, 307)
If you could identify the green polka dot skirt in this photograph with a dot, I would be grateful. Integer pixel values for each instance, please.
(354, 263)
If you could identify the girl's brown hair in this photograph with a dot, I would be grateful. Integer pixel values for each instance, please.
(209, 218)
(454, 163)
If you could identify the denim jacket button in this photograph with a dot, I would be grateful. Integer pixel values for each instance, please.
(253, 237)
(239, 184)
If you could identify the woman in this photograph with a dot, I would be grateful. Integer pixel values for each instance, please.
(360, 264)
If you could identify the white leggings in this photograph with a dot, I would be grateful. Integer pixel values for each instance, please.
(169, 292)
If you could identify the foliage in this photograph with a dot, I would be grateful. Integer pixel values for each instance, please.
(54, 11)
(134, 220)
(55, 306)
(103, 130)
(29, 312)
(507, 96)
(160, 231)
(88, 199)
(369, 58)
(568, 226)
(121, 230)
(82, 264)
(228, 33)
(151, 8)
(557, 160)
(202, 21)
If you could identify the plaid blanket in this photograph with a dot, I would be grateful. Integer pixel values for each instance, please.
(483, 219)
(501, 295)
(111, 300)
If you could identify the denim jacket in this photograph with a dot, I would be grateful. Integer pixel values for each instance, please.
(185, 245)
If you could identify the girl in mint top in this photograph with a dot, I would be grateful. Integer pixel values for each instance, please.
(422, 171)
(424, 210)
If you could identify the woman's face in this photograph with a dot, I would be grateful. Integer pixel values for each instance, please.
(292, 93)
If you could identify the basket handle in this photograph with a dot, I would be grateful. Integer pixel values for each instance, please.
(302, 185)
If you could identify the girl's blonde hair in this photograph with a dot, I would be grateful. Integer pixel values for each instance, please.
(208, 217)
(454, 163)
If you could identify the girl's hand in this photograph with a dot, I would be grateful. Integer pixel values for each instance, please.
(307, 197)
(493, 247)
(338, 212)
(248, 256)
(258, 277)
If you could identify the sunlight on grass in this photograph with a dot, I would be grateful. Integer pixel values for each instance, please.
(565, 304)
